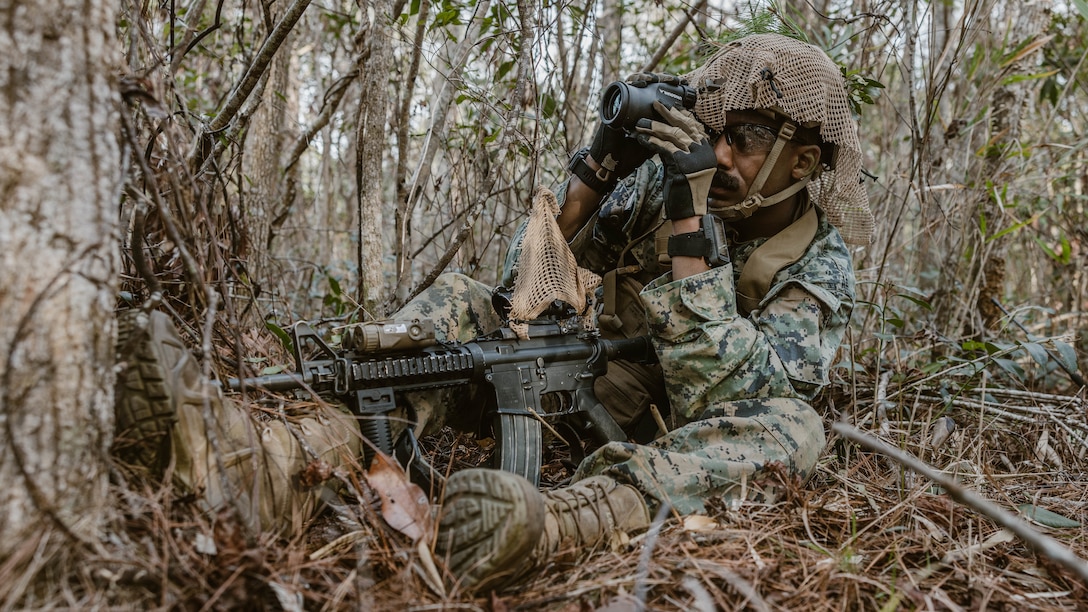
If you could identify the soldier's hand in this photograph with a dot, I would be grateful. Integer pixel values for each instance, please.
(642, 79)
(688, 155)
(617, 153)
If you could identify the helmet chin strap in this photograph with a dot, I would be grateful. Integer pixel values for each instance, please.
(754, 201)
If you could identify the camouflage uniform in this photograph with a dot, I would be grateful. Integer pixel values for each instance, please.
(737, 385)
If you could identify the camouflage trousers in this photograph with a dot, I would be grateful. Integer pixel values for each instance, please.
(274, 475)
(722, 454)
(271, 473)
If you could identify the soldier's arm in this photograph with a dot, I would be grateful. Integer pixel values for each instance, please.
(711, 354)
(581, 203)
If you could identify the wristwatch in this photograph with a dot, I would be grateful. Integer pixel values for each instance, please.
(597, 180)
(709, 242)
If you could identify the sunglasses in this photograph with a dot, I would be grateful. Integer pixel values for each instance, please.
(746, 138)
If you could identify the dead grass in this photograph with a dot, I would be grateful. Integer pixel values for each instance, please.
(863, 534)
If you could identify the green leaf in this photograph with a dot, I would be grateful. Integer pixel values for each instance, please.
(973, 345)
(1017, 78)
(1037, 352)
(1082, 7)
(1067, 354)
(846, 364)
(285, 338)
(917, 301)
(1045, 517)
(1011, 367)
(548, 106)
(933, 367)
(1013, 228)
(1064, 257)
(504, 68)
(272, 370)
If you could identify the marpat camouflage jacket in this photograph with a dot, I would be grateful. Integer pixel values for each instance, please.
(710, 353)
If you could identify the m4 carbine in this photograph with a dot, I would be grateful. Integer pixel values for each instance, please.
(380, 360)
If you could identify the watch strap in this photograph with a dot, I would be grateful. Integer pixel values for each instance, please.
(597, 180)
(708, 243)
(691, 244)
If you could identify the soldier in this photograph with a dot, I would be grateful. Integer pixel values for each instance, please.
(746, 334)
(728, 250)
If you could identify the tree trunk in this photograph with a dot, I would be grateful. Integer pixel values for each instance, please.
(373, 124)
(272, 131)
(1007, 104)
(59, 188)
(611, 28)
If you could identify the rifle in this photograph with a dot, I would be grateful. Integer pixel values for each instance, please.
(379, 360)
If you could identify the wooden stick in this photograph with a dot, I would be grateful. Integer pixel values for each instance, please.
(1038, 542)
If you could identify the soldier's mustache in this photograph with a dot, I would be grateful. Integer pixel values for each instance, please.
(724, 180)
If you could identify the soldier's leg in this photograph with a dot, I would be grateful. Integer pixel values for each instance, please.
(494, 528)
(721, 455)
(173, 421)
(461, 310)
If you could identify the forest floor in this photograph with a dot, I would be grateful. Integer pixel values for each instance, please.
(863, 534)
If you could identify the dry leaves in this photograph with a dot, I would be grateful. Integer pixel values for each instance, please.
(404, 505)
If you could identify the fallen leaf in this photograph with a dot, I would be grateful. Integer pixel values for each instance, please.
(1046, 518)
(942, 429)
(1002, 536)
(404, 504)
(698, 522)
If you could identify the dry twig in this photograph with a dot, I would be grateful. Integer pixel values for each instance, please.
(1040, 543)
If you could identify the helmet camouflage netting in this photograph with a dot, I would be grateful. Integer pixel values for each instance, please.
(779, 73)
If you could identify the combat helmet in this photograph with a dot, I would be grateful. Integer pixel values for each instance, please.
(800, 84)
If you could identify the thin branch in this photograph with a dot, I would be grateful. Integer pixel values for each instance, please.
(245, 87)
(436, 135)
(1041, 543)
(192, 269)
(401, 221)
(676, 32)
(331, 103)
(190, 41)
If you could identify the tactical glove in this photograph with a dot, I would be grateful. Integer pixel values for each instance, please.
(688, 156)
(616, 152)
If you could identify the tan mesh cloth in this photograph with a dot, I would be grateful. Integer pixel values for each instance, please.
(547, 270)
(746, 73)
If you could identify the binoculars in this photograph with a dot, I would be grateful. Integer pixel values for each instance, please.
(623, 104)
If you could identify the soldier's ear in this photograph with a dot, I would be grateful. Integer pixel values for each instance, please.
(806, 160)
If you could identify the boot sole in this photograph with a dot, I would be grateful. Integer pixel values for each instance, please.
(489, 524)
(145, 406)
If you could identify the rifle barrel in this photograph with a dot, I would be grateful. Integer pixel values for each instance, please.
(272, 382)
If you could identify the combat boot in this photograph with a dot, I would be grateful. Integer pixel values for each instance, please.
(157, 371)
(170, 419)
(164, 407)
(495, 527)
